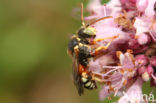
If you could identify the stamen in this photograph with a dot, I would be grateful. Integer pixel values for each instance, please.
(105, 13)
(111, 71)
(117, 86)
(102, 79)
(125, 82)
(111, 67)
(116, 92)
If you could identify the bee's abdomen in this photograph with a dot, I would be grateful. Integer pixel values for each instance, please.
(88, 83)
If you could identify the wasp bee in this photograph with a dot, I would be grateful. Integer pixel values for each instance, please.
(80, 48)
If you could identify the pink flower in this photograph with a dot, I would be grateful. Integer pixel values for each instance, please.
(117, 71)
(125, 64)
(153, 61)
(141, 5)
(141, 60)
(149, 11)
(142, 25)
(133, 44)
(143, 39)
(104, 92)
(128, 4)
(96, 9)
(133, 94)
(117, 76)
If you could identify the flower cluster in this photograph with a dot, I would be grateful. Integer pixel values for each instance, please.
(131, 58)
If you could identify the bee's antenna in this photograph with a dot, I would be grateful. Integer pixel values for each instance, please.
(82, 17)
(107, 17)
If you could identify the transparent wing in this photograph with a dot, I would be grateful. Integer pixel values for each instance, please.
(77, 75)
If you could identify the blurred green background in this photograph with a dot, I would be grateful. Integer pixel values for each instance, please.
(34, 65)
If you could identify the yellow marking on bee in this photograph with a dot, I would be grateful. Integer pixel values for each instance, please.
(84, 79)
(90, 30)
(80, 44)
(76, 48)
(74, 36)
(78, 39)
(92, 85)
(88, 84)
(84, 74)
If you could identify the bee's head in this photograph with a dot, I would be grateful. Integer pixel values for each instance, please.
(87, 32)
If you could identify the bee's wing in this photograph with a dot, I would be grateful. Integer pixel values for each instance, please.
(77, 75)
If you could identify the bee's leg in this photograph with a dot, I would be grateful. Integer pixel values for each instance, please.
(69, 52)
(97, 77)
(76, 50)
(101, 39)
(97, 50)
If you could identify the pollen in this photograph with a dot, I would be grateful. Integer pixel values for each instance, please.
(122, 71)
(125, 82)
(118, 53)
(130, 70)
(130, 51)
(124, 22)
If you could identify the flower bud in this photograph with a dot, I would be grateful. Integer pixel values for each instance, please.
(142, 70)
(143, 39)
(150, 70)
(141, 5)
(141, 60)
(153, 61)
(133, 44)
(145, 76)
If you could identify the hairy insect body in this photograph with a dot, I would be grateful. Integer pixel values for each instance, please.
(80, 48)
(84, 54)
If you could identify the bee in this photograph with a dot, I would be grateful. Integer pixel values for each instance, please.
(80, 48)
